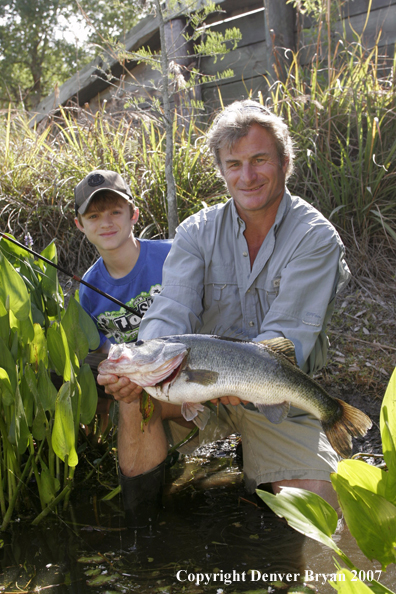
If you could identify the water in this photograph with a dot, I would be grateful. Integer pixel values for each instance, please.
(210, 526)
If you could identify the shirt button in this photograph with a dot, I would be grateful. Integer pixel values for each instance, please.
(244, 254)
(251, 323)
(248, 291)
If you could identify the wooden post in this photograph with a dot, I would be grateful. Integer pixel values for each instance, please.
(280, 20)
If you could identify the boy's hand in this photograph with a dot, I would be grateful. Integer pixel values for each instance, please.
(121, 388)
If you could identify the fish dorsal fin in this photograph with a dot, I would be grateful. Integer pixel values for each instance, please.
(284, 346)
(274, 412)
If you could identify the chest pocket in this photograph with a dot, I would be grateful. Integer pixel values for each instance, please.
(221, 297)
(271, 290)
(217, 291)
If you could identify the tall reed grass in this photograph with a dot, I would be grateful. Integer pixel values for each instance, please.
(40, 167)
(343, 120)
(341, 115)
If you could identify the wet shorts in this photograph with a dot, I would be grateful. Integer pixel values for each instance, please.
(294, 449)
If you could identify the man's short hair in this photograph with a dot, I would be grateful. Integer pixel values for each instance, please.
(235, 121)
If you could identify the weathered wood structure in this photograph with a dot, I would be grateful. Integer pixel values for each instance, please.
(107, 79)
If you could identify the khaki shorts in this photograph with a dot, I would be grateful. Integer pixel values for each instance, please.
(294, 449)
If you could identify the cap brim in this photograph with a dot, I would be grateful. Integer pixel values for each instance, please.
(83, 208)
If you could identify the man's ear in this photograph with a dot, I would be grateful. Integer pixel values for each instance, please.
(135, 216)
(78, 225)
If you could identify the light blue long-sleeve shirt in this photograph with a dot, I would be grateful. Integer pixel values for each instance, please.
(210, 287)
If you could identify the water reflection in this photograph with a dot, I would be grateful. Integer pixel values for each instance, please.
(210, 537)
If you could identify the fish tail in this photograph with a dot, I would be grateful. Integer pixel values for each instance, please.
(347, 423)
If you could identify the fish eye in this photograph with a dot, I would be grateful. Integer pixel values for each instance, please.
(139, 342)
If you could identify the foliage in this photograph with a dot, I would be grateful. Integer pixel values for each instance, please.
(344, 125)
(35, 55)
(38, 425)
(39, 169)
(367, 497)
(178, 78)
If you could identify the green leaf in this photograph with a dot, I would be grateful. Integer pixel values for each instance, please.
(38, 347)
(58, 349)
(19, 430)
(306, 512)
(378, 588)
(6, 391)
(37, 315)
(370, 518)
(12, 251)
(4, 322)
(46, 389)
(89, 394)
(13, 292)
(39, 427)
(49, 484)
(23, 327)
(388, 430)
(49, 281)
(8, 363)
(347, 583)
(72, 324)
(361, 474)
(27, 399)
(63, 437)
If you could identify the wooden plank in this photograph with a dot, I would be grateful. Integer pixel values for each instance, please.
(251, 27)
(356, 7)
(382, 19)
(233, 91)
(245, 62)
(91, 79)
(248, 61)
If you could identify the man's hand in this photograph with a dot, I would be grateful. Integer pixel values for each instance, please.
(234, 400)
(121, 388)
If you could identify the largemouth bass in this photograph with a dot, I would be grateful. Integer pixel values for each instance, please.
(193, 368)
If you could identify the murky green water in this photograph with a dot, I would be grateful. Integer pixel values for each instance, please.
(210, 526)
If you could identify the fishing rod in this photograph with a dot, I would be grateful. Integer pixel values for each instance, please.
(73, 276)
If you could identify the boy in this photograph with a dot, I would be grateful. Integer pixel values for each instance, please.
(129, 269)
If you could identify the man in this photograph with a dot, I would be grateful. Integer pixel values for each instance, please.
(263, 265)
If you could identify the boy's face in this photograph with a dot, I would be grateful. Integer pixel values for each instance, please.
(109, 227)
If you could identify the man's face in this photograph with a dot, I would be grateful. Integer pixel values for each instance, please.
(254, 174)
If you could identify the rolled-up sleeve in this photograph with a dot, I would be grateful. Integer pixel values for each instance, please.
(178, 308)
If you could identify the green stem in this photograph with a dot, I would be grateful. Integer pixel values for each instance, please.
(50, 506)
(2, 497)
(36, 472)
(70, 481)
(8, 514)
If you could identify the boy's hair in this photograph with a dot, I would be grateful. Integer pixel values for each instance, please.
(103, 200)
(235, 121)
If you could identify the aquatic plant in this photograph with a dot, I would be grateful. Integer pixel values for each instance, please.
(39, 425)
(367, 496)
